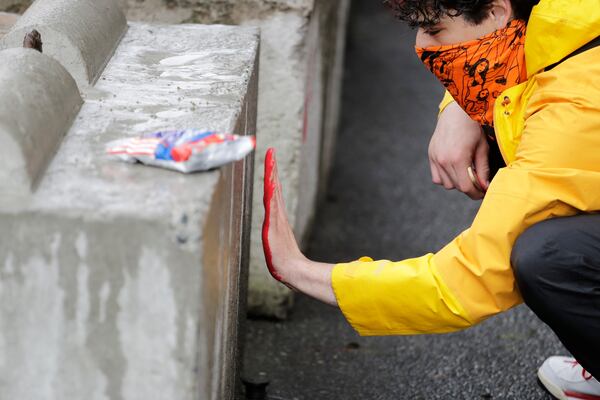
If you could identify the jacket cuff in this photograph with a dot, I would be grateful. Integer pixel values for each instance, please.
(396, 298)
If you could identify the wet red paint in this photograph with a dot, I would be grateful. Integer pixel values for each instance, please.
(269, 190)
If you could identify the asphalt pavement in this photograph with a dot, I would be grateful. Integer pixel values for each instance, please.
(381, 203)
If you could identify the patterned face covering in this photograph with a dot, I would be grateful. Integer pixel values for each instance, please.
(477, 71)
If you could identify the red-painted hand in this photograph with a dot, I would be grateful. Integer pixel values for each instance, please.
(281, 249)
(271, 183)
(284, 259)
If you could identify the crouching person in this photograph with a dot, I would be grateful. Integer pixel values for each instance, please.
(522, 112)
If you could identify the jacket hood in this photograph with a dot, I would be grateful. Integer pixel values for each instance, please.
(556, 28)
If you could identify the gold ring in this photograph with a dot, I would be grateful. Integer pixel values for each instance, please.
(474, 179)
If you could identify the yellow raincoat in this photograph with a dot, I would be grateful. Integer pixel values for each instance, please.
(549, 136)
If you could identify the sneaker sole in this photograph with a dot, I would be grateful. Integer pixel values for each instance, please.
(551, 387)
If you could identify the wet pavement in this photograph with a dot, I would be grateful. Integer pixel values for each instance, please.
(381, 203)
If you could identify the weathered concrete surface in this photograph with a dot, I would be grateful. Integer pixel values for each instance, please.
(15, 6)
(38, 103)
(121, 281)
(81, 35)
(225, 11)
(7, 20)
(335, 24)
(302, 45)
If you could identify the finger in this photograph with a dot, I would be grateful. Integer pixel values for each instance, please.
(461, 180)
(478, 192)
(447, 181)
(435, 174)
(482, 165)
(269, 177)
(451, 172)
(467, 185)
(474, 178)
(270, 185)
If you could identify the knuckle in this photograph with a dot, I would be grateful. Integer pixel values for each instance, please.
(469, 191)
(457, 158)
(465, 189)
(443, 160)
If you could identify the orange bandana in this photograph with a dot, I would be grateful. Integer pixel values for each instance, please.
(477, 71)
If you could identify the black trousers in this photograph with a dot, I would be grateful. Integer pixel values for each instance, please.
(557, 268)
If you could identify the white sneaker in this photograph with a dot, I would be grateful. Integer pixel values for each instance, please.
(567, 380)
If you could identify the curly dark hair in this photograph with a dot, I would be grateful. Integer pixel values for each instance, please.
(428, 12)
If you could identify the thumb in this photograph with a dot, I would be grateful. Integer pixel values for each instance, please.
(481, 161)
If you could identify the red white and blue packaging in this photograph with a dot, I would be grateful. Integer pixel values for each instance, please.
(186, 151)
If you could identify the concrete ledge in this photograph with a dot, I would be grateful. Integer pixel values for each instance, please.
(302, 47)
(82, 35)
(121, 281)
(38, 101)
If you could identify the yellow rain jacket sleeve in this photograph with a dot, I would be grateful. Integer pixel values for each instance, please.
(555, 172)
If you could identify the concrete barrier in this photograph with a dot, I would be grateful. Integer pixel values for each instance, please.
(38, 102)
(82, 35)
(127, 282)
(302, 48)
(15, 6)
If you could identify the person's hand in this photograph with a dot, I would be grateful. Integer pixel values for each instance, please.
(457, 144)
(285, 261)
(279, 244)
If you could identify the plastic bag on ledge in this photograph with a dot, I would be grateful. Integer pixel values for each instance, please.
(186, 151)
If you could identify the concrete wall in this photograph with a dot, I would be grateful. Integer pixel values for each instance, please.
(7, 20)
(15, 6)
(302, 51)
(120, 281)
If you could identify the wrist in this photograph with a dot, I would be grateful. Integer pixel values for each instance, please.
(295, 271)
